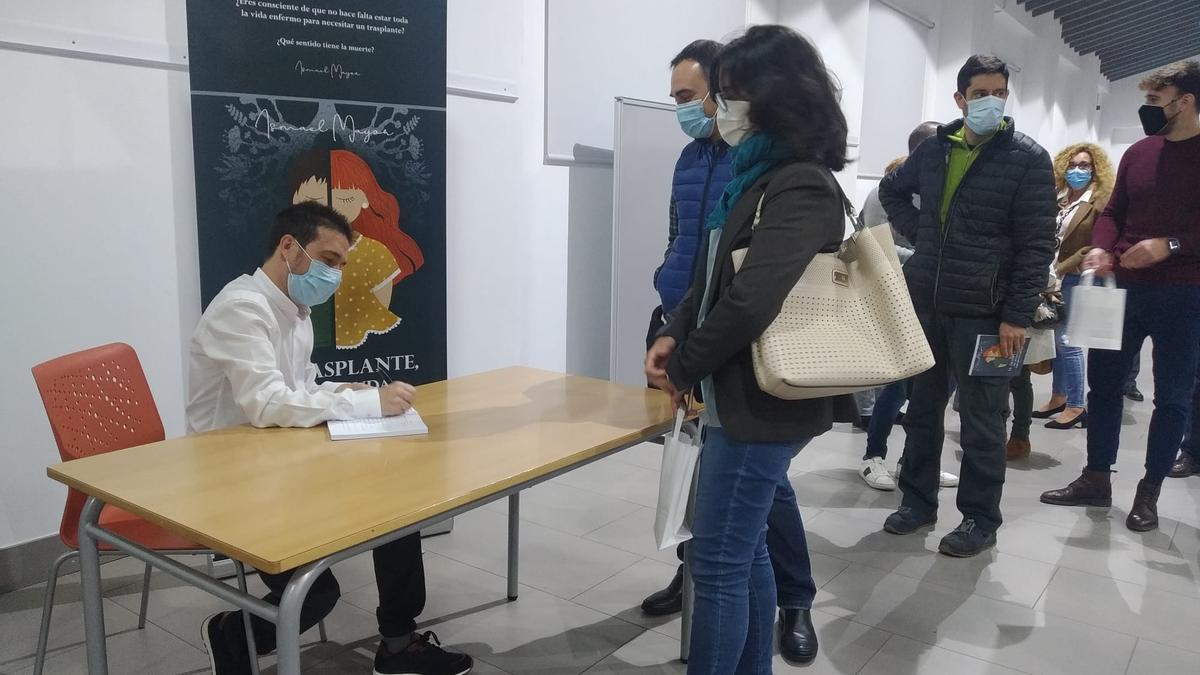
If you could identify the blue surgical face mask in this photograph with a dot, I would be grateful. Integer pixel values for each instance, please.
(1078, 178)
(692, 119)
(314, 286)
(985, 114)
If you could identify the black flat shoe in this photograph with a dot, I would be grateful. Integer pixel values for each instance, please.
(1047, 414)
(1079, 421)
(797, 637)
(1134, 394)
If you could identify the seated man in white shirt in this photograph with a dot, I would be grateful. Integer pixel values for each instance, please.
(251, 362)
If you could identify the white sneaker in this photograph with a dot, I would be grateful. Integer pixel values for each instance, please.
(945, 478)
(876, 475)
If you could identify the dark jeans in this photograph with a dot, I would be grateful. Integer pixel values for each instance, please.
(399, 575)
(982, 404)
(788, 549)
(1021, 387)
(1191, 442)
(734, 616)
(1170, 317)
(887, 406)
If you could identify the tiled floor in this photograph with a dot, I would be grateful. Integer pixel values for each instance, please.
(1065, 591)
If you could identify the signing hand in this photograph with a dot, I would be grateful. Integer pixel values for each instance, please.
(396, 398)
(1146, 253)
(1012, 339)
(656, 363)
(353, 386)
(1100, 261)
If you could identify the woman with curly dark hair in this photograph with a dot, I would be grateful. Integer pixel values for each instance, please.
(777, 105)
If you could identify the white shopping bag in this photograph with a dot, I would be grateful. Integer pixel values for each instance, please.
(1096, 314)
(680, 453)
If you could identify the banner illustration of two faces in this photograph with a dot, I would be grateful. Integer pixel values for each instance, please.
(341, 102)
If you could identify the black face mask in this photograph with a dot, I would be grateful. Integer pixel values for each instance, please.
(1154, 118)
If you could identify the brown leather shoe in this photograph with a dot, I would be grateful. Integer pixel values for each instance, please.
(1092, 488)
(1143, 517)
(1184, 466)
(1017, 449)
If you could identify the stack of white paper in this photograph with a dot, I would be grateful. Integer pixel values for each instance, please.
(408, 424)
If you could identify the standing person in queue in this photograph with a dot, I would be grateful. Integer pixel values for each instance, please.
(777, 106)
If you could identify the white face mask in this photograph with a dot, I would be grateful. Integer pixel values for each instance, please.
(733, 121)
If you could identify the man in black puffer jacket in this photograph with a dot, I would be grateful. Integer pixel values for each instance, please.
(984, 237)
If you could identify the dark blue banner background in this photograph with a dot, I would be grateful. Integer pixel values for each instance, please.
(341, 102)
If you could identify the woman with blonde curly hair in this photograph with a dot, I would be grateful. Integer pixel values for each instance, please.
(1085, 178)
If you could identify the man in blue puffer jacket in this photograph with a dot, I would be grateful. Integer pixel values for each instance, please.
(700, 178)
(700, 174)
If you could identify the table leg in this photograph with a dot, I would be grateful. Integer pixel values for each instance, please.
(514, 534)
(287, 628)
(93, 601)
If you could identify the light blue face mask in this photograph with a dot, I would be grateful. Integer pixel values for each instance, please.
(984, 114)
(314, 286)
(692, 119)
(1078, 178)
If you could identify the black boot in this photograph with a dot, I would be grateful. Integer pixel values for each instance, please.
(667, 601)
(797, 637)
(1092, 488)
(1143, 517)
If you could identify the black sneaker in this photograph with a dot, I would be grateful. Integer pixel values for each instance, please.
(907, 521)
(227, 654)
(967, 540)
(424, 656)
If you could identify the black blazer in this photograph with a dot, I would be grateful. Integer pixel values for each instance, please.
(802, 214)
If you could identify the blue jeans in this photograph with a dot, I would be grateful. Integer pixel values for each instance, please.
(1170, 317)
(887, 406)
(734, 614)
(788, 548)
(1068, 361)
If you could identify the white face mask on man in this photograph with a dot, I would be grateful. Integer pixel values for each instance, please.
(733, 120)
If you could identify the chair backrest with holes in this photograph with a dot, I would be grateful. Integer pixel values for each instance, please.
(97, 401)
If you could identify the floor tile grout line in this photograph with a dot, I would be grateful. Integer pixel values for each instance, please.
(605, 580)
(891, 636)
(1132, 654)
(1041, 595)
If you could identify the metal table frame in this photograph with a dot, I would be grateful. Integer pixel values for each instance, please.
(286, 616)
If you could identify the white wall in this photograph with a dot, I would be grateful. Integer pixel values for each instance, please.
(99, 211)
(98, 201)
(1119, 126)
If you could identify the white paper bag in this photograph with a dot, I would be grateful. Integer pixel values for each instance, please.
(680, 453)
(1096, 314)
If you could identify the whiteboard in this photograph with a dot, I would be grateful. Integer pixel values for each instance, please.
(597, 51)
(646, 144)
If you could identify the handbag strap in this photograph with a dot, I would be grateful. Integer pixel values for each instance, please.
(851, 212)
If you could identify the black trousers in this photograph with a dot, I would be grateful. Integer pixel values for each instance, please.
(399, 574)
(982, 405)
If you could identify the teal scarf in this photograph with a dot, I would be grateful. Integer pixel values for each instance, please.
(749, 160)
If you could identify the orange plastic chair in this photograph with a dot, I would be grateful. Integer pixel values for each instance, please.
(98, 401)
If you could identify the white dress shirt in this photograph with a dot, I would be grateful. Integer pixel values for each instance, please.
(251, 361)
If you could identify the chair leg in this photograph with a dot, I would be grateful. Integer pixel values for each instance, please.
(241, 577)
(321, 630)
(47, 607)
(145, 598)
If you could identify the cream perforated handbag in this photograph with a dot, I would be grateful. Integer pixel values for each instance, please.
(848, 324)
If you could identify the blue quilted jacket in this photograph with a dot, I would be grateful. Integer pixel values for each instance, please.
(701, 174)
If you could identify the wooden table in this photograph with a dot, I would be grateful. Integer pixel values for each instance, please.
(283, 499)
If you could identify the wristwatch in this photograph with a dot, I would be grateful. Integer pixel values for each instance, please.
(1173, 245)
